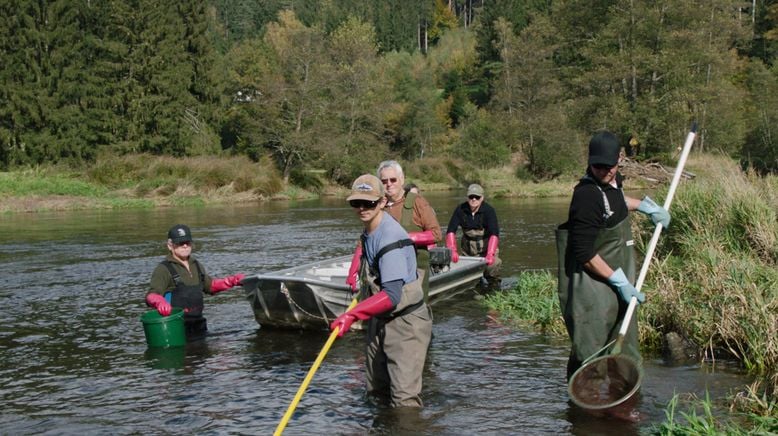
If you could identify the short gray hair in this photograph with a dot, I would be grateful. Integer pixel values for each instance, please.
(390, 164)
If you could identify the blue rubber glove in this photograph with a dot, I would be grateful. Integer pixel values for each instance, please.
(619, 281)
(657, 213)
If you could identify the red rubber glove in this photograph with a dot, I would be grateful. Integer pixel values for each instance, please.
(366, 309)
(491, 249)
(158, 302)
(422, 239)
(353, 271)
(219, 285)
(451, 243)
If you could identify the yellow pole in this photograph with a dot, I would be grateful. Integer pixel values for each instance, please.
(311, 372)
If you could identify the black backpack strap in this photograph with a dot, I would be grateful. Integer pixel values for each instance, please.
(385, 249)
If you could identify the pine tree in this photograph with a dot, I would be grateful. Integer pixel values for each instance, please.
(23, 75)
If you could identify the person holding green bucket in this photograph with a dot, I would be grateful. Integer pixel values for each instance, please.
(596, 256)
(180, 281)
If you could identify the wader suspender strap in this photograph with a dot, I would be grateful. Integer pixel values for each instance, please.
(406, 215)
(177, 278)
(608, 211)
(374, 271)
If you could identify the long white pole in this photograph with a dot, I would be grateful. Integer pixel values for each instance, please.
(633, 302)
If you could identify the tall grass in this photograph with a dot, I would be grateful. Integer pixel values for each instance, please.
(533, 301)
(163, 175)
(717, 281)
(699, 419)
(447, 173)
(714, 277)
(139, 181)
(45, 181)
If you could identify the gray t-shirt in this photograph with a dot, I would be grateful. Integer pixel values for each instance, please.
(395, 265)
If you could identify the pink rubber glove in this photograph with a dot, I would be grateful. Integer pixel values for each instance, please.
(451, 243)
(366, 309)
(491, 249)
(422, 239)
(353, 271)
(219, 285)
(158, 302)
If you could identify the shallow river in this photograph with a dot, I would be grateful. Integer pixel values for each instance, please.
(73, 358)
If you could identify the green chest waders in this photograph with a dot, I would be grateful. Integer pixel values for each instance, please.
(592, 310)
(397, 342)
(189, 298)
(472, 242)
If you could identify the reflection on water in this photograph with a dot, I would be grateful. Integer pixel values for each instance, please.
(73, 357)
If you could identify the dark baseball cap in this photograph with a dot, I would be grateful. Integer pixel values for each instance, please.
(604, 149)
(179, 233)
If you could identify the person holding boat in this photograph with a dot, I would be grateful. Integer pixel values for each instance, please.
(596, 256)
(413, 212)
(480, 233)
(399, 322)
(180, 281)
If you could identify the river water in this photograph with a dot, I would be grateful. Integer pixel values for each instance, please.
(73, 358)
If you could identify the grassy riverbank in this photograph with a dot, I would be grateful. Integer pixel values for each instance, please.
(158, 181)
(141, 181)
(713, 281)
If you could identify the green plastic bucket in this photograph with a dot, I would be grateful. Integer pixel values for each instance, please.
(164, 331)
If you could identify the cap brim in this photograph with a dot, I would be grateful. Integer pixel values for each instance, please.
(362, 197)
(180, 240)
(600, 160)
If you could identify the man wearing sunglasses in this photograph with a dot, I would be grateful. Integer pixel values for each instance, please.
(413, 212)
(596, 255)
(180, 281)
(480, 233)
(399, 322)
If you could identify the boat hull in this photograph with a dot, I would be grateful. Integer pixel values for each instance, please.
(311, 296)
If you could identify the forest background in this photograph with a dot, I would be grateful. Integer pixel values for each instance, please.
(331, 87)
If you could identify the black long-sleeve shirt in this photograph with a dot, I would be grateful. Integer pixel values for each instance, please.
(587, 216)
(485, 218)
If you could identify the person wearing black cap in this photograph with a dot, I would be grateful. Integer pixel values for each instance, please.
(398, 321)
(596, 255)
(180, 281)
(480, 233)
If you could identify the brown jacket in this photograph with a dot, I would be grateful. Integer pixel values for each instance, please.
(423, 214)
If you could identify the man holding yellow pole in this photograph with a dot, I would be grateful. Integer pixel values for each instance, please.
(399, 322)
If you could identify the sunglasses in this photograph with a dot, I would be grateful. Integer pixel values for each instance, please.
(363, 204)
(474, 197)
(603, 166)
(389, 180)
(183, 244)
